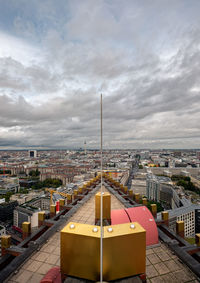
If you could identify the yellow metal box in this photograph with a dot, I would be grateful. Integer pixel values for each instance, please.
(80, 251)
(106, 205)
(124, 251)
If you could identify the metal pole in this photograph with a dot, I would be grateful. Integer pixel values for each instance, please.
(101, 213)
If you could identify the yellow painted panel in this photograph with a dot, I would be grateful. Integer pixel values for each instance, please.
(154, 208)
(124, 251)
(26, 227)
(75, 192)
(165, 215)
(41, 215)
(179, 226)
(144, 201)
(6, 241)
(69, 196)
(52, 208)
(106, 205)
(197, 240)
(80, 251)
(137, 196)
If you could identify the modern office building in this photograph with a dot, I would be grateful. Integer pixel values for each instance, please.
(23, 214)
(6, 210)
(160, 189)
(29, 211)
(32, 153)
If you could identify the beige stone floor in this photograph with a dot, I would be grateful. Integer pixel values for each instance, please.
(161, 264)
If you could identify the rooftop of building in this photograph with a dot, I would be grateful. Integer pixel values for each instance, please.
(181, 210)
(161, 179)
(162, 264)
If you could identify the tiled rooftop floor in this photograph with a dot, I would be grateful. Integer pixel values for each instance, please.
(162, 264)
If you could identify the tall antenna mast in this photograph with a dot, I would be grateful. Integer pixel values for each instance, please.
(101, 213)
(85, 147)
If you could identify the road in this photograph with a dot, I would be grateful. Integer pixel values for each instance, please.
(131, 176)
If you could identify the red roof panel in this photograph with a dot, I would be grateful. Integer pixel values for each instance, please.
(140, 214)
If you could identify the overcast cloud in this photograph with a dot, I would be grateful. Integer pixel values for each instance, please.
(56, 57)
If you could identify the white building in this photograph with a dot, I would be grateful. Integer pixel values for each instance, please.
(160, 189)
(189, 223)
(29, 211)
(191, 217)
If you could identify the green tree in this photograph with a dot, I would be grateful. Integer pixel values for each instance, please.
(182, 183)
(32, 173)
(159, 205)
(37, 172)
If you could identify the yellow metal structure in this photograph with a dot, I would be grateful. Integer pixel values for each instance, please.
(125, 189)
(80, 251)
(165, 215)
(61, 202)
(124, 251)
(80, 190)
(69, 197)
(5, 241)
(26, 227)
(144, 201)
(106, 205)
(179, 226)
(130, 192)
(153, 208)
(53, 208)
(197, 240)
(85, 186)
(41, 215)
(137, 197)
(117, 184)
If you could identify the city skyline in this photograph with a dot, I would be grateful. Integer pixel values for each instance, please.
(57, 58)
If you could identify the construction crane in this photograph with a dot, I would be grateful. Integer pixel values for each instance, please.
(56, 192)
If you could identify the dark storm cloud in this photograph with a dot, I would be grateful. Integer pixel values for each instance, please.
(143, 56)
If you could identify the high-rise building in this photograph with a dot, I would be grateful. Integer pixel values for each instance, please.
(160, 189)
(32, 153)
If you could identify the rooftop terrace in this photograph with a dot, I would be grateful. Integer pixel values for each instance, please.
(162, 264)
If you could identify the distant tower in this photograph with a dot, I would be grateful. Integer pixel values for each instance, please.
(32, 153)
(85, 147)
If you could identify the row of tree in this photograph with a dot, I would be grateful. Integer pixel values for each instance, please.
(53, 183)
(34, 173)
(185, 182)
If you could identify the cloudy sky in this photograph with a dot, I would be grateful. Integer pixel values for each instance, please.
(56, 57)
